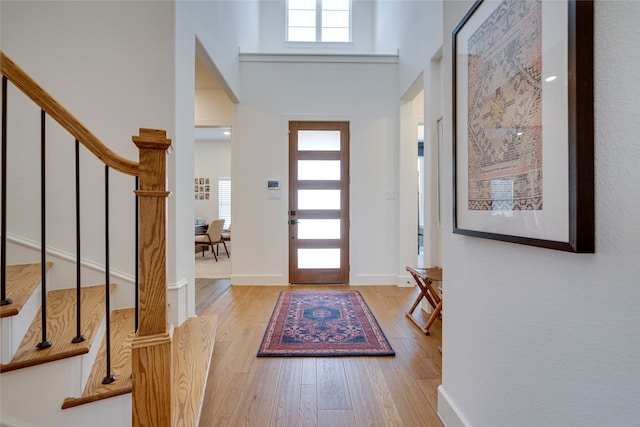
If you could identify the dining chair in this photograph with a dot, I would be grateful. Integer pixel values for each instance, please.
(213, 237)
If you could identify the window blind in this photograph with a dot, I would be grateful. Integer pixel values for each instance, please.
(224, 201)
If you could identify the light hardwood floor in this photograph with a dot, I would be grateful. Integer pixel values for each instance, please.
(244, 390)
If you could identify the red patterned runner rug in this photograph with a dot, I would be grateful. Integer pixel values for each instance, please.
(323, 323)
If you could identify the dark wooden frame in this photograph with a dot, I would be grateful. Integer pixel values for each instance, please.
(319, 275)
(580, 142)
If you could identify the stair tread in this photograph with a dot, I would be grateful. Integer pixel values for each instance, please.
(192, 350)
(122, 334)
(61, 329)
(22, 280)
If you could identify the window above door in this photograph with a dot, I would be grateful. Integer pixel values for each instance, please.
(319, 21)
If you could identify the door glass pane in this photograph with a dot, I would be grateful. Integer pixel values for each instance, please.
(318, 228)
(319, 140)
(318, 199)
(319, 258)
(319, 169)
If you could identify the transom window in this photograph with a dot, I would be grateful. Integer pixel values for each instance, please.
(319, 21)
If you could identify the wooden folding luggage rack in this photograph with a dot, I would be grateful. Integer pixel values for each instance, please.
(424, 278)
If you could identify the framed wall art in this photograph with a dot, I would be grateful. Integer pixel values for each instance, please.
(202, 188)
(523, 123)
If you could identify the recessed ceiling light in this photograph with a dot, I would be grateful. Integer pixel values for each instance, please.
(226, 132)
(550, 78)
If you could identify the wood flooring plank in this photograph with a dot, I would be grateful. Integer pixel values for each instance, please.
(367, 411)
(255, 403)
(407, 395)
(417, 362)
(308, 409)
(231, 397)
(380, 388)
(430, 389)
(309, 367)
(208, 291)
(336, 417)
(333, 391)
(286, 403)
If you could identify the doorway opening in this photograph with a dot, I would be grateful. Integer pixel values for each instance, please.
(213, 112)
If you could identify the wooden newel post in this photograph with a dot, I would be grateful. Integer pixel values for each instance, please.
(151, 348)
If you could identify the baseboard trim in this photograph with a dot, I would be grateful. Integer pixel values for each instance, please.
(279, 280)
(69, 257)
(448, 411)
(258, 280)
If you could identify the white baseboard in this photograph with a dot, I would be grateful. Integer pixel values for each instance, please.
(280, 280)
(448, 411)
(258, 280)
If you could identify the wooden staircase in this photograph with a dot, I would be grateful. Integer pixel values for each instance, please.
(191, 352)
(163, 368)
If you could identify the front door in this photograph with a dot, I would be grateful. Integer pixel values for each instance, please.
(318, 202)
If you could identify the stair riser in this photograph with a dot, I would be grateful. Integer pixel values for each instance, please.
(13, 328)
(89, 358)
(33, 396)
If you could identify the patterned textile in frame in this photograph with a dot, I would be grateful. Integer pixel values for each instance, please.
(505, 109)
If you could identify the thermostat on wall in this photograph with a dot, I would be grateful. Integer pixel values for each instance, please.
(273, 185)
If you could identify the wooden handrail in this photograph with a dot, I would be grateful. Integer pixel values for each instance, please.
(47, 103)
(151, 348)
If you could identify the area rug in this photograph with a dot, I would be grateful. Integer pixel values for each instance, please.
(323, 323)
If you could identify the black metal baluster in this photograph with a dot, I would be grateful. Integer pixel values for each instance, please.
(79, 337)
(109, 378)
(3, 244)
(137, 251)
(43, 222)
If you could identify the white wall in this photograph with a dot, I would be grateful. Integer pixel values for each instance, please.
(216, 29)
(276, 92)
(537, 337)
(212, 160)
(88, 56)
(414, 29)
